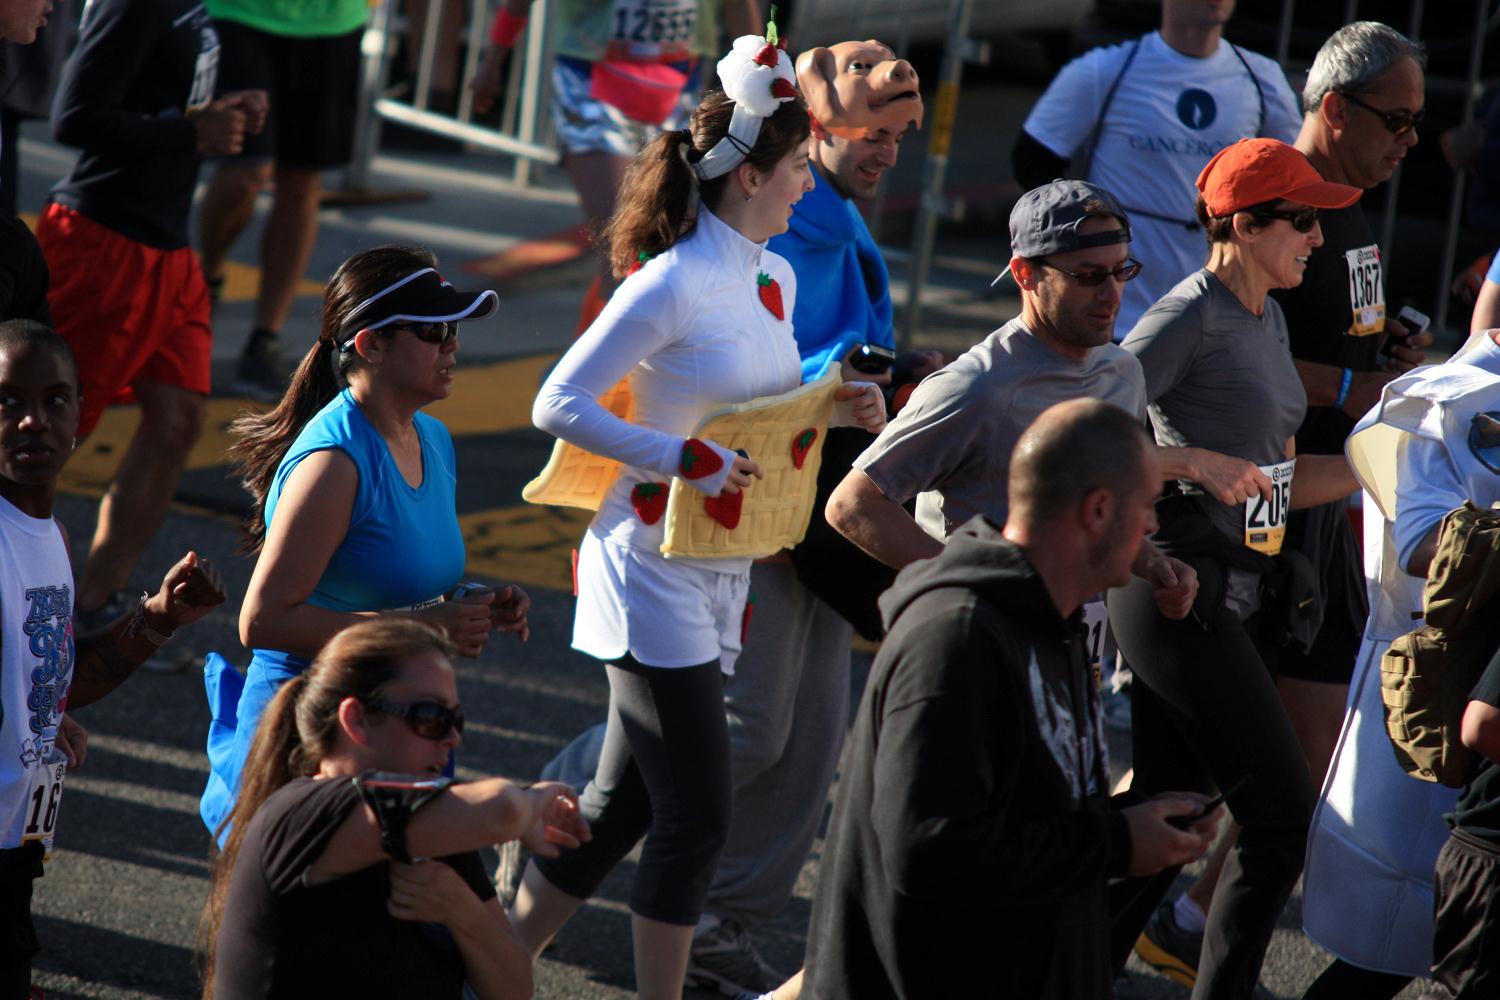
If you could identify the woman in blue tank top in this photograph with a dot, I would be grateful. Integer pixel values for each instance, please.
(355, 513)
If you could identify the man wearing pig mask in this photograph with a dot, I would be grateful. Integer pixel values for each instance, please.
(789, 704)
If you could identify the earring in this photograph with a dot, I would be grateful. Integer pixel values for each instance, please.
(748, 197)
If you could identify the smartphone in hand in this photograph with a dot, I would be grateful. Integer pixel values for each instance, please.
(1183, 822)
(1415, 321)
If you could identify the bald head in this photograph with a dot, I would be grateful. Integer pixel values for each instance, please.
(1069, 451)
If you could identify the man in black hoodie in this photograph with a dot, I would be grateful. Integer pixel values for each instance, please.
(979, 868)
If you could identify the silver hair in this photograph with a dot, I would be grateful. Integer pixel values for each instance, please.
(1354, 57)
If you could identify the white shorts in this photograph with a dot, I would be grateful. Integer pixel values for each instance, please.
(665, 613)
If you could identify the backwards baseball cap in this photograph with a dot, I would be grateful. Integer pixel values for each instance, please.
(1254, 171)
(423, 296)
(1046, 219)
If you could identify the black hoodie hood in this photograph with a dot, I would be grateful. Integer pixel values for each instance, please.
(977, 556)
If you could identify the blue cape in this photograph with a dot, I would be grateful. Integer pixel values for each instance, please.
(843, 288)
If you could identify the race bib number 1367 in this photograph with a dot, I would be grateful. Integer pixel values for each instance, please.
(1366, 291)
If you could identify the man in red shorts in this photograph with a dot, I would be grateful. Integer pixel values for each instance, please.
(137, 98)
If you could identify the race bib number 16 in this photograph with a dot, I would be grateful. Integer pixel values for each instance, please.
(1265, 520)
(43, 797)
(1366, 291)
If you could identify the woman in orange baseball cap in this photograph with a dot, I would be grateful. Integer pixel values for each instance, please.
(1220, 376)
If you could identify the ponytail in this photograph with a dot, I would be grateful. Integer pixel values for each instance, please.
(275, 759)
(652, 211)
(655, 205)
(262, 439)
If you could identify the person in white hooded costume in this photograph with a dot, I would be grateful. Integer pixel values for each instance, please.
(1376, 831)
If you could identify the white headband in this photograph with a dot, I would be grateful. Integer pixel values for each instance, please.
(758, 76)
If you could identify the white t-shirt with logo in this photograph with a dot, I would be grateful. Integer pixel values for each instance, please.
(1170, 114)
(36, 668)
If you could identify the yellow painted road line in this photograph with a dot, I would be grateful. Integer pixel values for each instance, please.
(526, 544)
(486, 399)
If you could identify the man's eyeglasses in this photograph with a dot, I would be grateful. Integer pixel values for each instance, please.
(1093, 279)
(430, 333)
(1302, 219)
(428, 719)
(1397, 122)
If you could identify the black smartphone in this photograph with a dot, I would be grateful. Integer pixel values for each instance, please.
(872, 359)
(1415, 321)
(1183, 822)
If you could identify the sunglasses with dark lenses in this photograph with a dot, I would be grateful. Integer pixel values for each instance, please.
(1302, 219)
(430, 333)
(1397, 122)
(1093, 279)
(428, 719)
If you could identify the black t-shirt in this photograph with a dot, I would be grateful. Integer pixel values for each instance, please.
(1332, 317)
(1478, 809)
(284, 938)
(140, 67)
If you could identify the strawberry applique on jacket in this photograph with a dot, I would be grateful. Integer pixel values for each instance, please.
(725, 508)
(649, 501)
(698, 460)
(770, 294)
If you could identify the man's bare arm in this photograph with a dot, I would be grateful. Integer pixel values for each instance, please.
(860, 512)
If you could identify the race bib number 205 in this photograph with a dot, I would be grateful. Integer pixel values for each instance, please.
(1265, 520)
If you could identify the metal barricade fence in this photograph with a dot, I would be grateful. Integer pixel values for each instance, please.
(523, 132)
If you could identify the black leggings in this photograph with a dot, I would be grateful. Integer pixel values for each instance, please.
(1205, 714)
(663, 774)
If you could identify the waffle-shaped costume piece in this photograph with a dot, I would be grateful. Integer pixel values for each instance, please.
(784, 433)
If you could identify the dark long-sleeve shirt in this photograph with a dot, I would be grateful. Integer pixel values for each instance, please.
(141, 67)
(973, 836)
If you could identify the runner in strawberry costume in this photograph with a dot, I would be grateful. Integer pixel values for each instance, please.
(692, 331)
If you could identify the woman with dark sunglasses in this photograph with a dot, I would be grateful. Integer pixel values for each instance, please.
(1219, 376)
(354, 487)
(351, 866)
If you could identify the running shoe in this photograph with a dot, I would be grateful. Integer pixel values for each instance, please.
(724, 959)
(260, 373)
(1168, 948)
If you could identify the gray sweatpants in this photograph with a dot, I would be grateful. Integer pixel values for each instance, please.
(788, 710)
(787, 706)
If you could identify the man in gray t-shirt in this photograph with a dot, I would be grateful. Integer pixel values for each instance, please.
(951, 446)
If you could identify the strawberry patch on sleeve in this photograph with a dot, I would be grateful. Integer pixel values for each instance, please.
(698, 460)
(770, 294)
(649, 501)
(725, 508)
(802, 444)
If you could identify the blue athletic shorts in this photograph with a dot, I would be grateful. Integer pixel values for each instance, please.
(585, 125)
